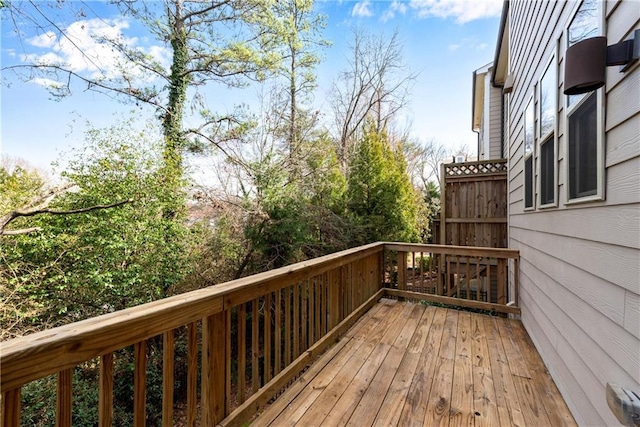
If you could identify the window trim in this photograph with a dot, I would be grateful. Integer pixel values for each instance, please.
(600, 132)
(531, 104)
(552, 65)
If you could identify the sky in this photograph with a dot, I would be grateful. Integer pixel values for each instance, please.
(444, 41)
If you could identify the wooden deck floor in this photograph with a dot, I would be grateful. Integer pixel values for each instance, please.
(406, 364)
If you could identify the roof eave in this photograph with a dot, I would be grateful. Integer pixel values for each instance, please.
(499, 72)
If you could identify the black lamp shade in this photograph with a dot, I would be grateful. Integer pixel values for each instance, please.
(585, 66)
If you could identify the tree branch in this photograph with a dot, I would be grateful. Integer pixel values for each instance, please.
(33, 212)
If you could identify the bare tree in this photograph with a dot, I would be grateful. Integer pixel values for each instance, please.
(376, 83)
(195, 43)
(424, 160)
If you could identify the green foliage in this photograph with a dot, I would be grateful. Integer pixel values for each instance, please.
(18, 186)
(380, 196)
(100, 261)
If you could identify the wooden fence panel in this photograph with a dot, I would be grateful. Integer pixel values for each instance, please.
(473, 204)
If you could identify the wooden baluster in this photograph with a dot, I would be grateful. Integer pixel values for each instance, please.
(296, 320)
(325, 304)
(488, 290)
(267, 338)
(255, 345)
(227, 362)
(440, 274)
(305, 318)
(105, 391)
(413, 272)
(287, 326)
(457, 283)
(479, 278)
(212, 381)
(11, 408)
(516, 281)
(467, 274)
(242, 352)
(64, 390)
(316, 309)
(448, 275)
(334, 307)
(402, 269)
(277, 345)
(220, 364)
(192, 373)
(348, 289)
(311, 313)
(206, 375)
(422, 287)
(140, 384)
(502, 281)
(358, 274)
(168, 359)
(433, 278)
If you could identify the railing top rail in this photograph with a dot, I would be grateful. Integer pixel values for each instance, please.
(453, 250)
(34, 356)
(496, 167)
(477, 162)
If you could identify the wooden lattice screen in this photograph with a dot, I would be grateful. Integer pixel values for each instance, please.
(474, 204)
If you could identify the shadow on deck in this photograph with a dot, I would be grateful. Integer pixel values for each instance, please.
(409, 364)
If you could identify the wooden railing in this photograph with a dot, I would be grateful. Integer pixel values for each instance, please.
(458, 275)
(246, 339)
(256, 331)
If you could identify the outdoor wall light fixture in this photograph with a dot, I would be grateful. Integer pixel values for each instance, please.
(586, 62)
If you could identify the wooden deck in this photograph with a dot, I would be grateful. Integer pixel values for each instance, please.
(407, 364)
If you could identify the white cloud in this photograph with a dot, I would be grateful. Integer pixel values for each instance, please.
(47, 39)
(83, 49)
(47, 83)
(395, 7)
(468, 43)
(461, 10)
(362, 9)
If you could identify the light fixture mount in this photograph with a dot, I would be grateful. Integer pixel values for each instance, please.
(586, 62)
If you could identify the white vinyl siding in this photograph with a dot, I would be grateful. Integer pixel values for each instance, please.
(580, 263)
(495, 114)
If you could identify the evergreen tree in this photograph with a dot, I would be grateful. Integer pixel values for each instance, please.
(380, 197)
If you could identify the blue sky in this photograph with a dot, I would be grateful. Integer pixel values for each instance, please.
(444, 41)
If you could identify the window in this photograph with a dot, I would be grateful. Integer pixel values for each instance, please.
(547, 125)
(585, 166)
(547, 172)
(529, 132)
(583, 150)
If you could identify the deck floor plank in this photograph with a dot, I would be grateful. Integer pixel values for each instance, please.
(309, 384)
(391, 408)
(461, 412)
(415, 406)
(336, 386)
(404, 364)
(506, 396)
(484, 392)
(367, 409)
(556, 408)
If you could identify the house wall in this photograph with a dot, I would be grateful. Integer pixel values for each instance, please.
(495, 114)
(580, 263)
(490, 135)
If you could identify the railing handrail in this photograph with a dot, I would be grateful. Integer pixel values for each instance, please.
(454, 250)
(34, 356)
